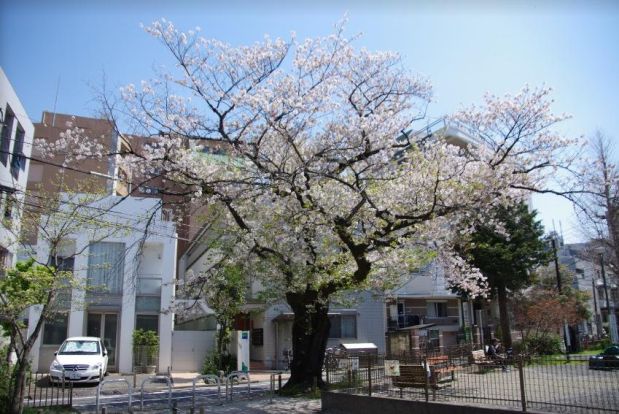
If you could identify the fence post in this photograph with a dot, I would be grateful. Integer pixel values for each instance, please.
(424, 363)
(523, 398)
(327, 363)
(370, 375)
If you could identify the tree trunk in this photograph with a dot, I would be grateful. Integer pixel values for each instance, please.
(310, 331)
(18, 387)
(504, 316)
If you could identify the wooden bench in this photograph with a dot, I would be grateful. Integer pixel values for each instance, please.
(441, 369)
(479, 358)
(415, 376)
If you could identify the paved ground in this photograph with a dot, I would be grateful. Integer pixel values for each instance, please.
(280, 405)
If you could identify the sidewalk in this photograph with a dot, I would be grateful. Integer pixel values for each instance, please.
(183, 380)
(280, 405)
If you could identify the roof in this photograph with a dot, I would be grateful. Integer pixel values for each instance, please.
(363, 345)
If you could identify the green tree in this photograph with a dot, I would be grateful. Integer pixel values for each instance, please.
(541, 311)
(26, 285)
(506, 251)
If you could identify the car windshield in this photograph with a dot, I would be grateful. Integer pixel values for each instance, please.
(79, 348)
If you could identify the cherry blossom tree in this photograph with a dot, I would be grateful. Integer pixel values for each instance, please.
(325, 185)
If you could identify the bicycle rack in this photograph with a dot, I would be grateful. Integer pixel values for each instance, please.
(151, 378)
(108, 381)
(209, 377)
(239, 375)
(272, 384)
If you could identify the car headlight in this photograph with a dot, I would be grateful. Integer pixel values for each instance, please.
(96, 366)
(56, 365)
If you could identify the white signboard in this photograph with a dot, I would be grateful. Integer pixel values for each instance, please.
(242, 351)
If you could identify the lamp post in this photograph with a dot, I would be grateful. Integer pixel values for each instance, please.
(612, 321)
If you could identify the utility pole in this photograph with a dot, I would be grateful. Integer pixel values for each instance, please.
(612, 321)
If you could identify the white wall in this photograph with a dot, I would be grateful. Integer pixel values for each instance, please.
(189, 348)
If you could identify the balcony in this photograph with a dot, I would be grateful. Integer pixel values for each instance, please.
(407, 320)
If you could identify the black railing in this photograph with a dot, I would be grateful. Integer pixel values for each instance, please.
(41, 392)
(548, 383)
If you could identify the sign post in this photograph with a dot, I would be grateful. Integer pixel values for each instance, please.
(242, 351)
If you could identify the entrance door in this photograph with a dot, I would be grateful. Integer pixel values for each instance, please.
(105, 326)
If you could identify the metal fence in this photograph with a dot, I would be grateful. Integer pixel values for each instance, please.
(39, 393)
(551, 384)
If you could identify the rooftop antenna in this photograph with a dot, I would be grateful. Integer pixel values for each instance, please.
(56, 101)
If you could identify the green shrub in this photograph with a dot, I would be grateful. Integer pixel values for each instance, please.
(541, 345)
(214, 361)
(145, 347)
(5, 377)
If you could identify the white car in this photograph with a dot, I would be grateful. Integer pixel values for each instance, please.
(82, 359)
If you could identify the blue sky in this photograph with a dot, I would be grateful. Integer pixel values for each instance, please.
(465, 48)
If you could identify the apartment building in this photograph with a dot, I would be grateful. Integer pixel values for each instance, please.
(124, 280)
(16, 136)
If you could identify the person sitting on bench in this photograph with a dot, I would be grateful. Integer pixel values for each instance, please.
(492, 353)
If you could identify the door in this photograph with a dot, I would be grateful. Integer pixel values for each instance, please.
(105, 326)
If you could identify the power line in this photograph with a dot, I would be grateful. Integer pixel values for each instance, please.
(92, 173)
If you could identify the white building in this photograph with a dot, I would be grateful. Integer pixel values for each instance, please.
(362, 320)
(129, 272)
(15, 148)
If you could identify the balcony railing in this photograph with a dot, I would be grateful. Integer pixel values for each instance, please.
(407, 320)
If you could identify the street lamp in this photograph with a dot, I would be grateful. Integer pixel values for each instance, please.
(612, 322)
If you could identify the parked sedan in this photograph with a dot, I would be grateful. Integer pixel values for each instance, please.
(608, 359)
(82, 359)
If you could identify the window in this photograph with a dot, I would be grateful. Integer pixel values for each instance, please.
(343, 326)
(147, 322)
(147, 303)
(63, 264)
(436, 309)
(7, 203)
(5, 260)
(148, 189)
(7, 135)
(55, 330)
(205, 323)
(18, 160)
(106, 266)
(257, 337)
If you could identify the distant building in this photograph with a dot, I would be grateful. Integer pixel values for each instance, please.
(584, 262)
(15, 148)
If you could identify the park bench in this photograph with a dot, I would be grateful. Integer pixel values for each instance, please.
(441, 368)
(415, 376)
